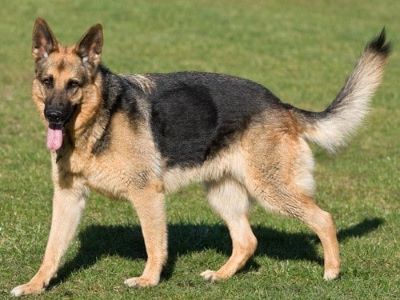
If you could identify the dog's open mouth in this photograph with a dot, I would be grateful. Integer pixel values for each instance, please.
(55, 132)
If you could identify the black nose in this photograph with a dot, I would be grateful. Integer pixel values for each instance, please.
(53, 115)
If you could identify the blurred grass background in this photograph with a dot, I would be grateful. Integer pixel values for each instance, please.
(302, 51)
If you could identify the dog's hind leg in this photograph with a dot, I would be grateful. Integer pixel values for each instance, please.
(68, 204)
(303, 208)
(150, 208)
(229, 199)
(281, 180)
(322, 224)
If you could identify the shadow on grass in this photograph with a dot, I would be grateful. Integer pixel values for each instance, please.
(127, 241)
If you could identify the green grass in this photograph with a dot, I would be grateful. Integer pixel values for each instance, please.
(302, 51)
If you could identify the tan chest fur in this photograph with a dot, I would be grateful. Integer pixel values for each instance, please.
(129, 163)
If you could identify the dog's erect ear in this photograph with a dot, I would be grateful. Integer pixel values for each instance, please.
(90, 46)
(43, 40)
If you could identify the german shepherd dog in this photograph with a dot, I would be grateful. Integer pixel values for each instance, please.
(139, 137)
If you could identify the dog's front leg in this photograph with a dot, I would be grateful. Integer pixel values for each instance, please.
(68, 204)
(150, 208)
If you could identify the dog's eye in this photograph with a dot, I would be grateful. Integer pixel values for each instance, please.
(48, 82)
(73, 84)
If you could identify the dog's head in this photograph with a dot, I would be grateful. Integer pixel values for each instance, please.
(65, 87)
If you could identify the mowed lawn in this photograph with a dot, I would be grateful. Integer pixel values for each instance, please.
(302, 51)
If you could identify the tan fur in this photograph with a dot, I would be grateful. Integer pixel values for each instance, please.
(230, 200)
(228, 161)
(279, 168)
(68, 205)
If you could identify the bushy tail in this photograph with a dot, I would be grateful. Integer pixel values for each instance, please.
(340, 119)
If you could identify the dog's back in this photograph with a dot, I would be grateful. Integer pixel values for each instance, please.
(195, 115)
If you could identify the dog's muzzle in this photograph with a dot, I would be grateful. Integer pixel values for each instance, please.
(58, 115)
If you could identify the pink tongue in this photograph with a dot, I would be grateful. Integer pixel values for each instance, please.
(54, 139)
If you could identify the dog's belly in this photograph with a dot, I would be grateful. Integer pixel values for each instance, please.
(228, 162)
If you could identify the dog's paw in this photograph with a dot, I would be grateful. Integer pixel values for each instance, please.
(26, 289)
(331, 274)
(212, 276)
(140, 282)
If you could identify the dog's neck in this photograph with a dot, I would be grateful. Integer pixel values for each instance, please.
(110, 92)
